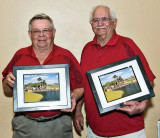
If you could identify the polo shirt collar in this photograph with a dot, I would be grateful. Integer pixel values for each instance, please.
(111, 42)
(55, 51)
(27, 51)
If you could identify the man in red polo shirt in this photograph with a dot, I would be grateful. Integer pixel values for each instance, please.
(43, 51)
(108, 47)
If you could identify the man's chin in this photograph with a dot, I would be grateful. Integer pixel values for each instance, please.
(101, 34)
(42, 46)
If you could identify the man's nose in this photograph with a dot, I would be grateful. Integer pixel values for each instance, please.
(41, 33)
(100, 22)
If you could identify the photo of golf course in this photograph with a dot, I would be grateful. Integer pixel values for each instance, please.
(41, 87)
(119, 84)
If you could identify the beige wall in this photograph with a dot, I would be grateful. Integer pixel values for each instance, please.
(138, 19)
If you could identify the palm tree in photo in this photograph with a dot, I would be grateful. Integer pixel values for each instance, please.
(40, 81)
(44, 84)
(114, 77)
(119, 79)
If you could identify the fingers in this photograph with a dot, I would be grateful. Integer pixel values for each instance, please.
(125, 109)
(78, 123)
(131, 107)
(73, 102)
(79, 126)
(131, 103)
(82, 121)
(73, 105)
(10, 79)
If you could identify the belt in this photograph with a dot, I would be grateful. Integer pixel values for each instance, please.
(43, 119)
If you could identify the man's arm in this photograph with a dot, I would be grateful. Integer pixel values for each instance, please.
(78, 119)
(8, 85)
(134, 107)
(75, 96)
(78, 93)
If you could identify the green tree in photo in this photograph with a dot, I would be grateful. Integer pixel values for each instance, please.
(115, 76)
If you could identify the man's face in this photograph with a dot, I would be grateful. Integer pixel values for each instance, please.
(103, 27)
(42, 36)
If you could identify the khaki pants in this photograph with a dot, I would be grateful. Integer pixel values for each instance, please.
(139, 134)
(60, 127)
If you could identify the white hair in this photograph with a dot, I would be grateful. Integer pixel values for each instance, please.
(41, 16)
(112, 13)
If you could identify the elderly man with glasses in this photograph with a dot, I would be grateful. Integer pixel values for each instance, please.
(43, 51)
(108, 47)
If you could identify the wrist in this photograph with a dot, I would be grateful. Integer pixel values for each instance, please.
(143, 105)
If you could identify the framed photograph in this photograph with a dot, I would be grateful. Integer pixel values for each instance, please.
(158, 129)
(116, 83)
(41, 87)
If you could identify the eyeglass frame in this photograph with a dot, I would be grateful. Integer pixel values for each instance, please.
(103, 19)
(37, 32)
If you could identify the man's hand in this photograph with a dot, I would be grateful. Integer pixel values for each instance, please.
(8, 85)
(134, 107)
(75, 96)
(78, 121)
(73, 104)
(10, 79)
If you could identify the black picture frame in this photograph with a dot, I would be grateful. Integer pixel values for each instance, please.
(111, 91)
(41, 87)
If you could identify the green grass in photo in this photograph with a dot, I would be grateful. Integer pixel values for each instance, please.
(113, 95)
(32, 97)
(53, 86)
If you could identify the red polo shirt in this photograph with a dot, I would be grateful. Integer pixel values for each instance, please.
(58, 55)
(93, 56)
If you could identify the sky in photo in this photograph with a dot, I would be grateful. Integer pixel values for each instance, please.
(124, 73)
(49, 78)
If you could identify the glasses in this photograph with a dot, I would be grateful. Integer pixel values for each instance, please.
(103, 19)
(37, 32)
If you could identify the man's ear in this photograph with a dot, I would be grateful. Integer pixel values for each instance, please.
(29, 33)
(54, 32)
(115, 23)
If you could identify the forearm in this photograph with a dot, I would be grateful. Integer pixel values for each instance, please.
(8, 90)
(79, 105)
(75, 96)
(78, 119)
(78, 93)
(143, 106)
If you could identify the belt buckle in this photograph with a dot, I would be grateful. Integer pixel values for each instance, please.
(42, 119)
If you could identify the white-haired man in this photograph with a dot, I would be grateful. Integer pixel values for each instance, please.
(43, 51)
(108, 47)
